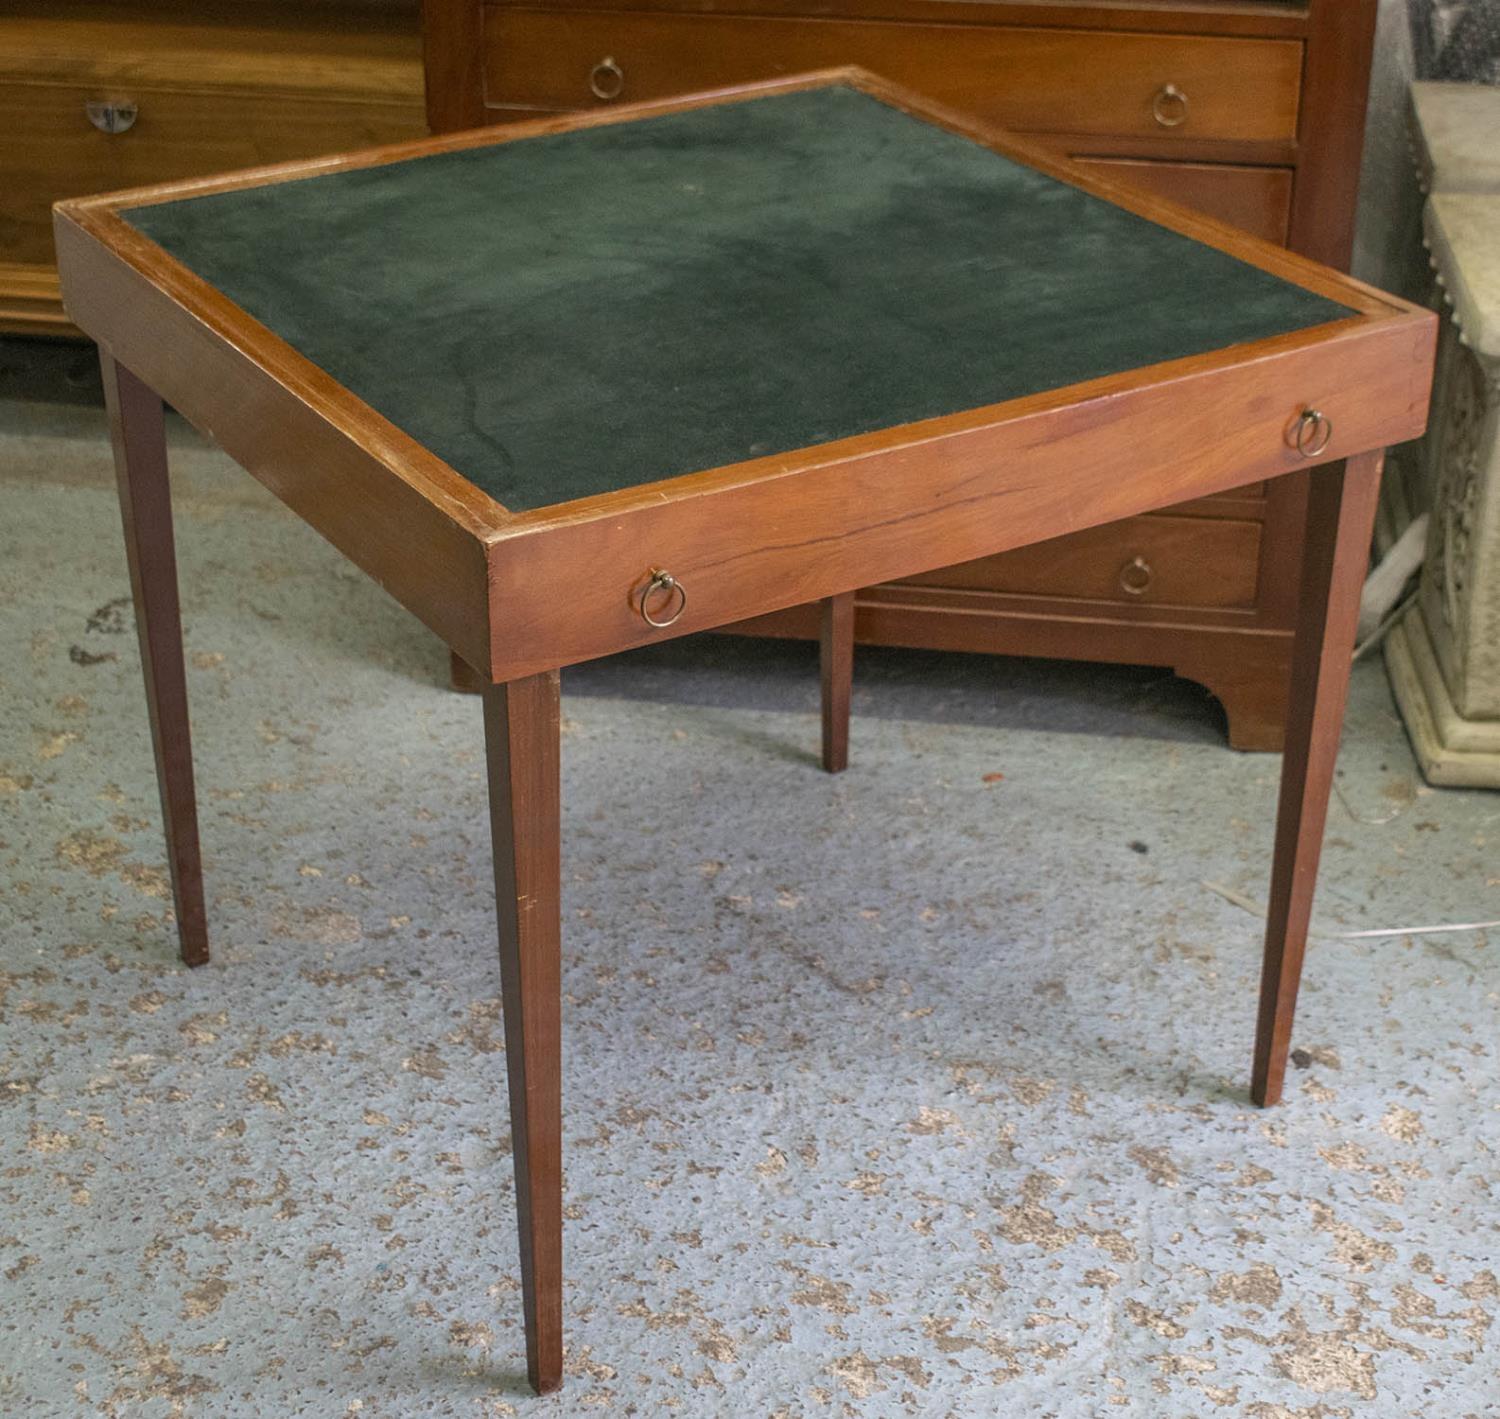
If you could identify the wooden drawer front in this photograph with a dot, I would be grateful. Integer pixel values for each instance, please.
(51, 149)
(1257, 200)
(1153, 560)
(1029, 80)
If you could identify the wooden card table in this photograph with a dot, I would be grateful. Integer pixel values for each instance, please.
(572, 386)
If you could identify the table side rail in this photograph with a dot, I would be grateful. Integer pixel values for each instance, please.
(743, 541)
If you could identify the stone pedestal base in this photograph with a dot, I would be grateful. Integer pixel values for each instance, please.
(1453, 752)
(1445, 657)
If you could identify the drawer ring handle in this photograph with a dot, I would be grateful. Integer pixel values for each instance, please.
(662, 580)
(1135, 576)
(1312, 433)
(606, 79)
(111, 115)
(1170, 106)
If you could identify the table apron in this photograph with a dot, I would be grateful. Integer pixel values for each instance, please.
(568, 589)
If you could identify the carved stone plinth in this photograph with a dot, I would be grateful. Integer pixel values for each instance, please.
(1453, 137)
(1444, 658)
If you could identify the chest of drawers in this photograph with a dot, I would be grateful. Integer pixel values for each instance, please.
(96, 97)
(1251, 112)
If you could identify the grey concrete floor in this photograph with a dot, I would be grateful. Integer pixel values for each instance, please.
(919, 1091)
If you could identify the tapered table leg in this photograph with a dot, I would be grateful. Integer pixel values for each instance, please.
(1340, 519)
(838, 675)
(138, 431)
(521, 726)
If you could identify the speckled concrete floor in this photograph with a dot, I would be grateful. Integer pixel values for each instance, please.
(915, 1092)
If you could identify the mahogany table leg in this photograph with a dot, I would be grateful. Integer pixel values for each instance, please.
(521, 726)
(1340, 519)
(138, 431)
(837, 658)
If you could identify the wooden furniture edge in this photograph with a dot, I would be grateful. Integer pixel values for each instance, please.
(1244, 667)
(1335, 94)
(1270, 19)
(31, 302)
(453, 63)
(382, 91)
(407, 459)
(290, 425)
(1207, 425)
(894, 599)
(965, 422)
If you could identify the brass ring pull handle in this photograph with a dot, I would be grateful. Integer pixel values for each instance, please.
(111, 115)
(606, 79)
(1312, 433)
(1135, 576)
(1170, 106)
(662, 581)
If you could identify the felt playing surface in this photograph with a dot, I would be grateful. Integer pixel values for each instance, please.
(586, 311)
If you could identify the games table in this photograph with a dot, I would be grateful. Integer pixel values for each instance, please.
(580, 384)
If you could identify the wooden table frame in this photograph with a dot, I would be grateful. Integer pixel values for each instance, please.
(491, 582)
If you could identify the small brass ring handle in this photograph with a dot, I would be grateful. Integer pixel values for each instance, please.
(1135, 576)
(110, 115)
(606, 79)
(662, 581)
(1312, 433)
(1170, 106)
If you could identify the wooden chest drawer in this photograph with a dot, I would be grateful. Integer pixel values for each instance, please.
(52, 150)
(209, 94)
(1029, 80)
(1155, 561)
(1254, 199)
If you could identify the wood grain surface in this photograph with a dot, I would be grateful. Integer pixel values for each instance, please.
(521, 728)
(1055, 81)
(138, 435)
(836, 662)
(1340, 523)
